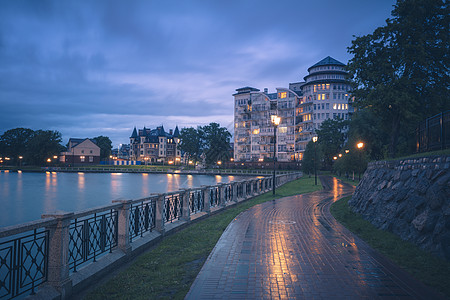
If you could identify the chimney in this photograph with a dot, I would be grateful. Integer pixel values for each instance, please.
(170, 131)
(266, 90)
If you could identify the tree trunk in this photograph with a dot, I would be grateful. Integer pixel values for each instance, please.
(394, 135)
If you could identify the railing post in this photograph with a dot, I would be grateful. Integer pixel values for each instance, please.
(205, 191)
(222, 195)
(123, 225)
(160, 211)
(244, 190)
(186, 213)
(58, 253)
(234, 191)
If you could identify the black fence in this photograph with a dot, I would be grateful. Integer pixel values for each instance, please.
(434, 133)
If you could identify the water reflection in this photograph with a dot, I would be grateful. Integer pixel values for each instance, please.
(145, 188)
(25, 196)
(81, 181)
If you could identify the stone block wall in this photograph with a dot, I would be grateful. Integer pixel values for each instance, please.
(410, 198)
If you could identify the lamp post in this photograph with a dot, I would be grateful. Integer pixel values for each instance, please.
(360, 146)
(275, 121)
(20, 161)
(314, 139)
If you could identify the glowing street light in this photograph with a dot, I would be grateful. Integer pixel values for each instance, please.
(314, 139)
(275, 121)
(360, 145)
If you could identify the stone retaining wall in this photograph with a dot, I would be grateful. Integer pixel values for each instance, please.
(410, 198)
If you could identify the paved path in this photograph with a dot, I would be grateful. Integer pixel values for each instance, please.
(292, 248)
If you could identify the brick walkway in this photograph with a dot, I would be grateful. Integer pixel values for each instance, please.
(292, 248)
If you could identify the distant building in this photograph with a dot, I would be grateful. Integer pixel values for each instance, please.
(302, 108)
(155, 145)
(123, 152)
(81, 152)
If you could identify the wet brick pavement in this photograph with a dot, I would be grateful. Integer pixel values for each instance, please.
(292, 248)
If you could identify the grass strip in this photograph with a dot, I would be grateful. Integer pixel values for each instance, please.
(168, 270)
(425, 267)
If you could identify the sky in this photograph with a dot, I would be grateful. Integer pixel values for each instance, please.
(91, 68)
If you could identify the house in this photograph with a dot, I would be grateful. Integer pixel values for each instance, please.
(155, 145)
(81, 152)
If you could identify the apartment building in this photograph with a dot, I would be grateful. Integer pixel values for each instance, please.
(302, 108)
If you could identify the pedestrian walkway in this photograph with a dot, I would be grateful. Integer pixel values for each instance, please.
(292, 248)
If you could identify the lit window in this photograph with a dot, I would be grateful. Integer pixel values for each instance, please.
(82, 158)
(256, 131)
(334, 106)
(283, 95)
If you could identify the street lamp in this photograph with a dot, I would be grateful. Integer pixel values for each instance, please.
(359, 145)
(20, 161)
(275, 121)
(314, 139)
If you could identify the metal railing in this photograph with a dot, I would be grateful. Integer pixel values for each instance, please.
(142, 217)
(434, 133)
(91, 236)
(23, 262)
(67, 242)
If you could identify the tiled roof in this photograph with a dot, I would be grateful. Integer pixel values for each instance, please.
(326, 62)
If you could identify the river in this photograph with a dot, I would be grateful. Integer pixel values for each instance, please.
(26, 196)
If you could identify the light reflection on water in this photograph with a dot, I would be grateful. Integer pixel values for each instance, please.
(25, 196)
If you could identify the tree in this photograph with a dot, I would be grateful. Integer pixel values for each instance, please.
(400, 71)
(217, 143)
(365, 126)
(211, 139)
(309, 156)
(105, 145)
(331, 137)
(191, 143)
(44, 144)
(34, 146)
(15, 143)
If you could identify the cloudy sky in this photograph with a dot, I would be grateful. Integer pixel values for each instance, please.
(90, 68)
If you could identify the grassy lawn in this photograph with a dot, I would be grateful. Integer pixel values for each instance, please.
(427, 268)
(168, 270)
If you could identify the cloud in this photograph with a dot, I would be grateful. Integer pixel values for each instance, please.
(103, 67)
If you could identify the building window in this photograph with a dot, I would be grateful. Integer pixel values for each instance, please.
(91, 159)
(82, 158)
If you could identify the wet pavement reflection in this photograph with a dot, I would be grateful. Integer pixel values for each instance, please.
(292, 248)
